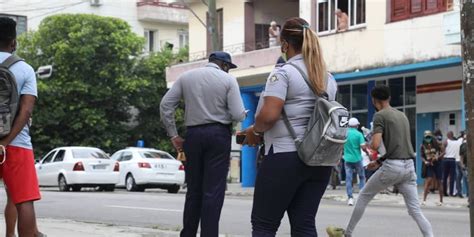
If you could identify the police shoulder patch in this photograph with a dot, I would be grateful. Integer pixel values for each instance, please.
(273, 78)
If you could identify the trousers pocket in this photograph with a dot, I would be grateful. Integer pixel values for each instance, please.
(389, 176)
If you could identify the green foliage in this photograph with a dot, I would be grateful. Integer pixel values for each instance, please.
(151, 69)
(98, 77)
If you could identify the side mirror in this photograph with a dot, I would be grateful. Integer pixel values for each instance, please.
(44, 71)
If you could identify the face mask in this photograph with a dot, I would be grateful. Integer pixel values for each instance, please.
(428, 139)
(439, 138)
(283, 55)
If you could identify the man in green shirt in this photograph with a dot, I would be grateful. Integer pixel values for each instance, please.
(396, 167)
(353, 158)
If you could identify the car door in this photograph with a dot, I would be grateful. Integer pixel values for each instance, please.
(55, 167)
(43, 168)
(126, 164)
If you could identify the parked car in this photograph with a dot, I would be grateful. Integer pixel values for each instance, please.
(76, 167)
(142, 168)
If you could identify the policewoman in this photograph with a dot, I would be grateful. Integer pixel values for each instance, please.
(284, 183)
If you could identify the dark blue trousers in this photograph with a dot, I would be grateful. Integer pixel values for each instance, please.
(449, 169)
(285, 183)
(207, 149)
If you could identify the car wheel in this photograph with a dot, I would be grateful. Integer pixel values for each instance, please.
(174, 189)
(62, 184)
(76, 188)
(130, 184)
(109, 187)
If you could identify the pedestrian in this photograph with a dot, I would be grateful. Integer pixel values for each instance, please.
(213, 103)
(431, 166)
(391, 126)
(284, 182)
(461, 166)
(18, 169)
(273, 34)
(451, 156)
(353, 158)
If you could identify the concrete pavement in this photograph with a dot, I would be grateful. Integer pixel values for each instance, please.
(156, 213)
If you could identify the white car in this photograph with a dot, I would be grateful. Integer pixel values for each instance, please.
(142, 168)
(77, 167)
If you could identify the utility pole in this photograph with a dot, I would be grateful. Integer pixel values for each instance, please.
(212, 25)
(467, 43)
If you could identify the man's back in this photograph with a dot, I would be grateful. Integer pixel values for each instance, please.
(26, 84)
(353, 145)
(395, 130)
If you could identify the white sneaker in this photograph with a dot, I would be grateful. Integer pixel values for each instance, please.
(439, 204)
(423, 203)
(350, 202)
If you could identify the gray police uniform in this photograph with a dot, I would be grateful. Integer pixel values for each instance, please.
(288, 84)
(284, 182)
(213, 102)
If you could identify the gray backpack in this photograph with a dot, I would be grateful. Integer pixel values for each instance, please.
(324, 138)
(9, 98)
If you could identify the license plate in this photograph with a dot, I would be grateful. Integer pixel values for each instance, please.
(99, 167)
(160, 166)
(165, 174)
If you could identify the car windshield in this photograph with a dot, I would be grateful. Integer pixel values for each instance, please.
(155, 155)
(89, 153)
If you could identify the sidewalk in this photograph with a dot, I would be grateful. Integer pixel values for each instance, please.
(339, 194)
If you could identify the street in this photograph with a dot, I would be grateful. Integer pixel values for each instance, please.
(156, 209)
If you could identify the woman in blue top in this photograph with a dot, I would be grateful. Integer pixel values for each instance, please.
(284, 183)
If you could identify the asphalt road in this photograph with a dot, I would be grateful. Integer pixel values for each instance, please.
(158, 209)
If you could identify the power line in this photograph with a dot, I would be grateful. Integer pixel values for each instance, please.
(46, 8)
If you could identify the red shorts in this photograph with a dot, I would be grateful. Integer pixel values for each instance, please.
(19, 175)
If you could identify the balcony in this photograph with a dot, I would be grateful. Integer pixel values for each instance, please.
(161, 12)
(253, 67)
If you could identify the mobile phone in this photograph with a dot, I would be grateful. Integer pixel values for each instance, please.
(240, 138)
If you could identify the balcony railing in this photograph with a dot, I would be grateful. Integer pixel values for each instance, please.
(234, 49)
(157, 11)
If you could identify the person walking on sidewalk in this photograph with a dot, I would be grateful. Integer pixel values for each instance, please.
(391, 126)
(430, 156)
(353, 158)
(18, 169)
(284, 182)
(213, 103)
(451, 155)
(461, 167)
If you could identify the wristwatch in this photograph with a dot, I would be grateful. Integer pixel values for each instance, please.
(258, 134)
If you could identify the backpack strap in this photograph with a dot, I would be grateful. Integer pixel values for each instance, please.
(10, 61)
(283, 112)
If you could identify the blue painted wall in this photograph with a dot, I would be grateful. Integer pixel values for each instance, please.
(249, 154)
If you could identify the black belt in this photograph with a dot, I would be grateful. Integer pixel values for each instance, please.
(450, 158)
(210, 125)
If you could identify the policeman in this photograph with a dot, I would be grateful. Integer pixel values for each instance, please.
(213, 102)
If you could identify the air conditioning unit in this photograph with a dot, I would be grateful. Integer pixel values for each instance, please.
(96, 3)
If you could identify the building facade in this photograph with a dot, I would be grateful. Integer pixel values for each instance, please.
(161, 24)
(411, 45)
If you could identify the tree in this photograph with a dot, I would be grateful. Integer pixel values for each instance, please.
(146, 100)
(87, 99)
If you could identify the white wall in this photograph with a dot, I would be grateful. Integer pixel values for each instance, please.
(274, 10)
(380, 43)
(37, 10)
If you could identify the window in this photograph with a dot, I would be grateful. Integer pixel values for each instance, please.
(183, 38)
(396, 91)
(354, 98)
(150, 39)
(126, 156)
(59, 156)
(89, 153)
(21, 21)
(326, 13)
(155, 155)
(48, 157)
(405, 9)
(452, 119)
(117, 156)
